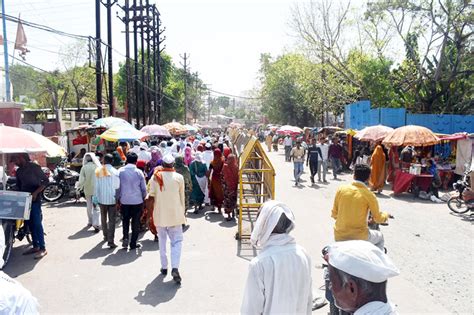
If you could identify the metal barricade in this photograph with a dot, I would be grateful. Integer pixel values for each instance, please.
(256, 181)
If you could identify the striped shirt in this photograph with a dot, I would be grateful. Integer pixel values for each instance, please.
(106, 186)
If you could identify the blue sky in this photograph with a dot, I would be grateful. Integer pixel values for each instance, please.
(224, 38)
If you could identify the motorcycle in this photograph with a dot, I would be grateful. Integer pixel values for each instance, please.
(62, 183)
(13, 229)
(464, 200)
(333, 309)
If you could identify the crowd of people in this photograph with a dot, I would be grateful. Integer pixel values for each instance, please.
(152, 185)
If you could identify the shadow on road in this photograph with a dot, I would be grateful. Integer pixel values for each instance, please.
(62, 203)
(82, 233)
(122, 257)
(157, 292)
(19, 264)
(245, 250)
(97, 252)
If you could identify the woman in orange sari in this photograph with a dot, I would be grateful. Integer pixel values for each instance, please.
(216, 191)
(377, 165)
(393, 163)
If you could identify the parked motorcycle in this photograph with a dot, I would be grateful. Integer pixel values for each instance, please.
(464, 200)
(13, 229)
(63, 183)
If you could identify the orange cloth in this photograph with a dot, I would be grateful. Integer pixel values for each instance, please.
(158, 176)
(377, 164)
(121, 153)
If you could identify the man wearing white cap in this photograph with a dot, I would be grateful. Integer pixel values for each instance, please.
(358, 273)
(279, 279)
(208, 155)
(143, 154)
(167, 197)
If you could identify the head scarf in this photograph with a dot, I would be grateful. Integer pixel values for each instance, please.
(155, 158)
(227, 151)
(188, 158)
(231, 172)
(200, 148)
(268, 217)
(218, 160)
(93, 158)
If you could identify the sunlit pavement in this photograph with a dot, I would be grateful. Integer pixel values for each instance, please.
(80, 274)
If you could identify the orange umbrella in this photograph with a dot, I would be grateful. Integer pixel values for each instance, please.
(373, 133)
(417, 136)
(175, 128)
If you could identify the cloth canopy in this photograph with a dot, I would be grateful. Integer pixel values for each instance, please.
(156, 130)
(123, 133)
(373, 133)
(417, 136)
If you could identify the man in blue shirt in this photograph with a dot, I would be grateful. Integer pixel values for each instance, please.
(106, 183)
(130, 196)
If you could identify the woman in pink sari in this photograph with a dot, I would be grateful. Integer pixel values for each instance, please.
(188, 156)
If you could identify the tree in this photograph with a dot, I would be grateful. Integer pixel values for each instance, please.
(25, 81)
(79, 76)
(444, 66)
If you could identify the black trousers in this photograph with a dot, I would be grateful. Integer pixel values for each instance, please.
(313, 167)
(133, 213)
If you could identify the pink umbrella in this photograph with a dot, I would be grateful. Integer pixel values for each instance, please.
(373, 133)
(289, 130)
(156, 130)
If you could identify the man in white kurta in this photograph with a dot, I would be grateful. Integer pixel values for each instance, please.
(167, 193)
(279, 279)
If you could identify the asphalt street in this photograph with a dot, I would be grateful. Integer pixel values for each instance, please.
(432, 248)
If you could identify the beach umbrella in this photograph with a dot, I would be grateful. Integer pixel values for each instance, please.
(289, 130)
(123, 133)
(373, 133)
(175, 128)
(411, 135)
(156, 130)
(18, 140)
(109, 122)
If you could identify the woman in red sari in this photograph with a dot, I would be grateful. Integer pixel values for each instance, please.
(230, 183)
(393, 163)
(216, 192)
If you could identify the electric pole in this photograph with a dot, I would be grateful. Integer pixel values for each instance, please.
(128, 91)
(5, 55)
(185, 67)
(98, 57)
(109, 5)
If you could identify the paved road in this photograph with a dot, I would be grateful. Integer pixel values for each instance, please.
(432, 248)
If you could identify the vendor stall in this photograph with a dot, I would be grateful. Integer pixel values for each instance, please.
(412, 175)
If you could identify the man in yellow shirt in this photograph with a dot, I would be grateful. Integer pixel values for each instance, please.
(351, 208)
(166, 194)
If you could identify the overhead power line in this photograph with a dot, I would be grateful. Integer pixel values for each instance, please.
(43, 27)
(236, 96)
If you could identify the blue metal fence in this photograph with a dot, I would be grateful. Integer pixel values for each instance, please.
(359, 115)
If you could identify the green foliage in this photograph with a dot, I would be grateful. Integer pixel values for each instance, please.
(173, 79)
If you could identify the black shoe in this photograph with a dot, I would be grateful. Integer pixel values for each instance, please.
(125, 243)
(155, 239)
(176, 276)
(164, 272)
(112, 245)
(136, 246)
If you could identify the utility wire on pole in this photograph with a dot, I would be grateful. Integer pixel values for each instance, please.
(185, 67)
